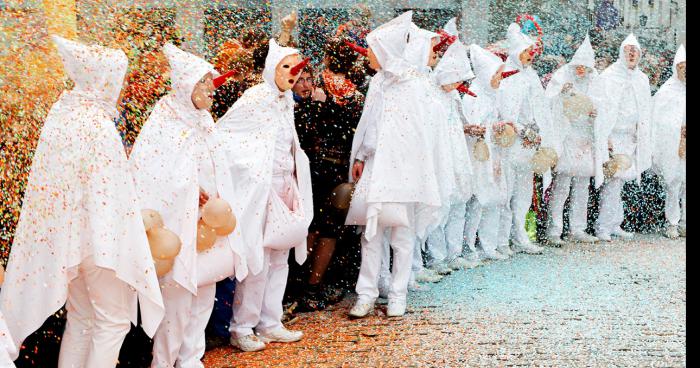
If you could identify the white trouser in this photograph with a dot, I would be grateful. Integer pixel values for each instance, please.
(578, 204)
(7, 345)
(97, 320)
(520, 199)
(180, 339)
(675, 207)
(484, 220)
(612, 212)
(257, 302)
(402, 242)
(445, 242)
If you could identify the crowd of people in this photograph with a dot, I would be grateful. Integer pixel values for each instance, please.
(410, 155)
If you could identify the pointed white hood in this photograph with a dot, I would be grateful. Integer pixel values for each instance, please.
(454, 65)
(389, 40)
(584, 54)
(485, 65)
(629, 40)
(517, 42)
(275, 54)
(418, 48)
(680, 57)
(186, 70)
(97, 71)
(451, 27)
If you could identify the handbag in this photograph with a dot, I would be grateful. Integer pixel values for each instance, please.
(284, 228)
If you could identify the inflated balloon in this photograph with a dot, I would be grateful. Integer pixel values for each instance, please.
(341, 196)
(577, 106)
(216, 212)
(617, 163)
(163, 266)
(164, 243)
(682, 148)
(624, 161)
(506, 137)
(151, 219)
(543, 160)
(481, 150)
(228, 228)
(206, 236)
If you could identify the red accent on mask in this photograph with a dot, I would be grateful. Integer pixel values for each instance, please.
(507, 74)
(222, 79)
(464, 89)
(299, 67)
(445, 41)
(358, 49)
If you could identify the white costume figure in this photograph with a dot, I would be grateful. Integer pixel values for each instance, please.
(668, 122)
(175, 156)
(80, 240)
(8, 349)
(576, 163)
(487, 205)
(269, 170)
(445, 242)
(521, 101)
(623, 97)
(393, 159)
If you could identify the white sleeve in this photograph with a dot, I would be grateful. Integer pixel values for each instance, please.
(369, 143)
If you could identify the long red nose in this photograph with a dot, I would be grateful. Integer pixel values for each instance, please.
(507, 74)
(464, 89)
(222, 79)
(445, 41)
(299, 67)
(358, 49)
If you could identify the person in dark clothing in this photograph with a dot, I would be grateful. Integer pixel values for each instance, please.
(326, 116)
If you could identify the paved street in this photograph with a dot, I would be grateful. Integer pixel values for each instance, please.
(615, 305)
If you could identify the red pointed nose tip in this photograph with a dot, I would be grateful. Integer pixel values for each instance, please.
(358, 49)
(299, 67)
(222, 79)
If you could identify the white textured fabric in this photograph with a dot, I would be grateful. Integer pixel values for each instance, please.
(80, 201)
(517, 41)
(249, 132)
(454, 65)
(388, 42)
(611, 211)
(451, 27)
(484, 221)
(578, 204)
(445, 242)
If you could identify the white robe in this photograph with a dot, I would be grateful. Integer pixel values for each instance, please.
(618, 85)
(249, 133)
(80, 202)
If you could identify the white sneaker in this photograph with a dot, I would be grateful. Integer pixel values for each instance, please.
(426, 276)
(494, 255)
(441, 269)
(396, 308)
(528, 248)
(581, 237)
(672, 232)
(622, 234)
(361, 309)
(555, 241)
(281, 335)
(247, 343)
(460, 263)
(603, 237)
(505, 250)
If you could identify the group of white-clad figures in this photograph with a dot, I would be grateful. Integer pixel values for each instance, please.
(430, 168)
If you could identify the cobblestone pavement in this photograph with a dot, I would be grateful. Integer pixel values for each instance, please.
(616, 305)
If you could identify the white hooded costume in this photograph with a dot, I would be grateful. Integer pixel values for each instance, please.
(485, 208)
(576, 165)
(668, 118)
(445, 242)
(623, 98)
(398, 190)
(176, 154)
(267, 164)
(80, 240)
(521, 100)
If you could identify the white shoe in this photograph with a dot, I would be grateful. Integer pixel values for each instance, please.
(528, 248)
(247, 343)
(396, 308)
(414, 286)
(441, 269)
(361, 309)
(603, 237)
(580, 237)
(426, 276)
(281, 335)
(672, 232)
(494, 255)
(460, 263)
(505, 250)
(555, 241)
(622, 234)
